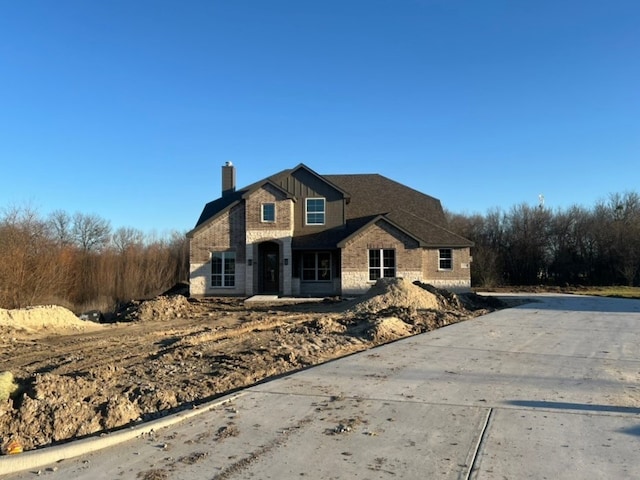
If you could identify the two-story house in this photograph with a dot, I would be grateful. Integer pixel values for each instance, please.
(299, 233)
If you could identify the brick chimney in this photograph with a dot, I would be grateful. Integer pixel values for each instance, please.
(228, 179)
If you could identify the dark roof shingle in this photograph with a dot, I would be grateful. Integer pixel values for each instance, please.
(368, 196)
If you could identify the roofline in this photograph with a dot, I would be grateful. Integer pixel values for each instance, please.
(249, 190)
(267, 181)
(197, 228)
(464, 241)
(342, 243)
(346, 194)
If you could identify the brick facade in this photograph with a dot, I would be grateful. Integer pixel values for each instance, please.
(225, 233)
(381, 235)
(456, 279)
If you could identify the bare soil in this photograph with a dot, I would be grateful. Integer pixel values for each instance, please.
(77, 379)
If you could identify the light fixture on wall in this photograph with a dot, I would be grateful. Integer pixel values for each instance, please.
(250, 262)
(286, 261)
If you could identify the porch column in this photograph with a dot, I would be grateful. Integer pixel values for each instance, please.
(287, 267)
(249, 269)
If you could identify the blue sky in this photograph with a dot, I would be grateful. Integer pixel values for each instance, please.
(128, 108)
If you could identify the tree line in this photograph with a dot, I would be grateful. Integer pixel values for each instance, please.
(80, 262)
(533, 245)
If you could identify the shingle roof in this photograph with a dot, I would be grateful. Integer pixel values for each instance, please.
(214, 208)
(416, 213)
(370, 196)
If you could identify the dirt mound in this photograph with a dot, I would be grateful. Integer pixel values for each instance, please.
(397, 293)
(395, 308)
(159, 308)
(387, 329)
(45, 318)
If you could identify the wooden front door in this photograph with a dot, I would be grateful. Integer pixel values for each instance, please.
(269, 257)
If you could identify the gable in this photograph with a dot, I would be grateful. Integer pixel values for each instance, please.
(381, 222)
(303, 182)
(281, 201)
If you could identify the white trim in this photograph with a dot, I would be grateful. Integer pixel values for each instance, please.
(262, 212)
(440, 259)
(324, 211)
(223, 275)
(381, 268)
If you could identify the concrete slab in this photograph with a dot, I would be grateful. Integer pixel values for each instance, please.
(544, 442)
(546, 390)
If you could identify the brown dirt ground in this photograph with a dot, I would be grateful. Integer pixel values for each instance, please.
(78, 379)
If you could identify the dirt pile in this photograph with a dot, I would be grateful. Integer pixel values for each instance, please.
(386, 329)
(395, 308)
(49, 319)
(161, 308)
(397, 293)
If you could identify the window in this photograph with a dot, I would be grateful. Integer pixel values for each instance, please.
(316, 267)
(268, 212)
(315, 211)
(382, 263)
(223, 269)
(445, 259)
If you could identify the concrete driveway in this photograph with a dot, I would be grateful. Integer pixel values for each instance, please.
(550, 389)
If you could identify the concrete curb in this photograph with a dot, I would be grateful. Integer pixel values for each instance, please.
(46, 456)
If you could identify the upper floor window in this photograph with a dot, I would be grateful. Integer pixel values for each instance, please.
(445, 259)
(315, 211)
(268, 212)
(382, 263)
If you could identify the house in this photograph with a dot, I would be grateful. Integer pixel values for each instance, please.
(299, 233)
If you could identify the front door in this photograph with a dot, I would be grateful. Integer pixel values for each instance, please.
(269, 267)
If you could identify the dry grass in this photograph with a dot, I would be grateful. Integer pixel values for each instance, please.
(615, 291)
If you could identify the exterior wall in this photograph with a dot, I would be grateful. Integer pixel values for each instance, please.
(458, 279)
(225, 233)
(320, 289)
(355, 257)
(279, 231)
(284, 211)
(303, 185)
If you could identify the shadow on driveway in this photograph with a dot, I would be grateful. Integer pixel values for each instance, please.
(568, 302)
(574, 406)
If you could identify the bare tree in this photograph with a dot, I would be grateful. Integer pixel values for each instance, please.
(625, 228)
(60, 224)
(90, 232)
(28, 271)
(125, 237)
